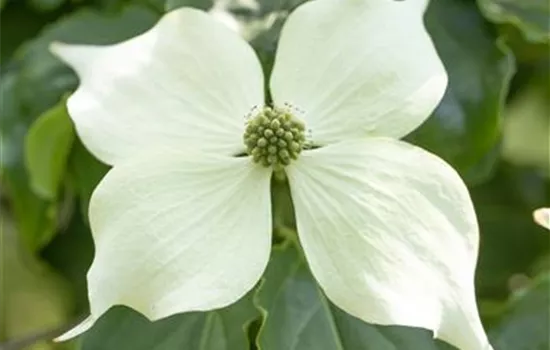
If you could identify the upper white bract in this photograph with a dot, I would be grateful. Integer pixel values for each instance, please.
(181, 224)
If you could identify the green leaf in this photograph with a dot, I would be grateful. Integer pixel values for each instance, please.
(170, 5)
(511, 242)
(17, 25)
(47, 147)
(44, 79)
(297, 316)
(46, 5)
(532, 17)
(85, 172)
(466, 124)
(35, 217)
(34, 298)
(527, 323)
(224, 329)
(527, 126)
(70, 254)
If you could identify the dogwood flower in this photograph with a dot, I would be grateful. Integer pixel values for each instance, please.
(182, 222)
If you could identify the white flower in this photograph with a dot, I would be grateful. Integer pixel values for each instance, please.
(182, 223)
(542, 217)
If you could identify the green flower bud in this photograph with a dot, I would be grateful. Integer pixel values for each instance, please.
(274, 137)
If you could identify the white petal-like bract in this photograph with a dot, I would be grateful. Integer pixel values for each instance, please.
(542, 217)
(358, 67)
(175, 232)
(188, 83)
(391, 236)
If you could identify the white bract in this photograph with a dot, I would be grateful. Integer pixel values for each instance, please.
(183, 220)
(542, 217)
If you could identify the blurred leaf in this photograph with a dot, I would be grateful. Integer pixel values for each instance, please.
(86, 172)
(466, 124)
(155, 5)
(122, 328)
(527, 126)
(170, 5)
(528, 321)
(47, 147)
(297, 315)
(44, 79)
(532, 17)
(70, 253)
(17, 24)
(525, 52)
(35, 217)
(34, 298)
(46, 5)
(511, 243)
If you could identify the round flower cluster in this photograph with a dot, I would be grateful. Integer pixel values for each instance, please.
(274, 137)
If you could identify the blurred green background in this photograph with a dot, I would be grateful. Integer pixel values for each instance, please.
(493, 126)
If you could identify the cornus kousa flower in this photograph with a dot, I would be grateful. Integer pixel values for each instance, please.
(182, 222)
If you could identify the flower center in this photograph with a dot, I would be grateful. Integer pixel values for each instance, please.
(274, 137)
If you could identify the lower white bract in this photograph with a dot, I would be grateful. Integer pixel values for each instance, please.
(182, 224)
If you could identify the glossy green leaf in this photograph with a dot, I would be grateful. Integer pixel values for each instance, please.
(47, 146)
(532, 17)
(297, 316)
(527, 322)
(466, 124)
(122, 328)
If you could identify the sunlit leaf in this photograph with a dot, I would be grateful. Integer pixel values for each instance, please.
(34, 298)
(48, 144)
(527, 126)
